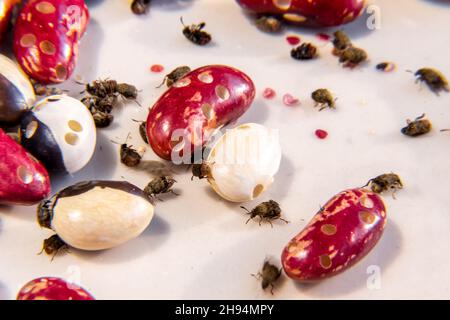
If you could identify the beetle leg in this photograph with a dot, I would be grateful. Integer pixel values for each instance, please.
(284, 220)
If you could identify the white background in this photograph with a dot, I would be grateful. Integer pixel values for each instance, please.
(198, 245)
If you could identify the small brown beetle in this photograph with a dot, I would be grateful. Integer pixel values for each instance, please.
(195, 33)
(269, 275)
(266, 211)
(418, 127)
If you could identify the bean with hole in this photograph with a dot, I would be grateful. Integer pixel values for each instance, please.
(60, 132)
(344, 231)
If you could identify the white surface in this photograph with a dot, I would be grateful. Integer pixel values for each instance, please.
(198, 245)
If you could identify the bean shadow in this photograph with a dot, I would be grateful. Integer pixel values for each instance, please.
(283, 179)
(102, 164)
(440, 3)
(171, 5)
(383, 255)
(25, 213)
(150, 240)
(93, 3)
(257, 113)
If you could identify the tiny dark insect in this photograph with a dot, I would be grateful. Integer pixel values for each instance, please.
(195, 33)
(341, 41)
(305, 51)
(44, 213)
(140, 6)
(418, 127)
(201, 171)
(352, 56)
(433, 78)
(53, 245)
(103, 88)
(385, 182)
(385, 66)
(128, 155)
(269, 24)
(142, 130)
(102, 119)
(269, 275)
(175, 75)
(160, 185)
(324, 98)
(266, 211)
(105, 104)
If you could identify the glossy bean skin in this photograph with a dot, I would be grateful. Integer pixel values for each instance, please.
(322, 13)
(46, 38)
(344, 231)
(51, 288)
(204, 100)
(23, 180)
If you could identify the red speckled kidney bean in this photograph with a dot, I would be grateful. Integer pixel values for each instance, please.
(46, 38)
(204, 100)
(52, 289)
(308, 12)
(338, 236)
(23, 180)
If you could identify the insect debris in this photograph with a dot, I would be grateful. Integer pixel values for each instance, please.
(140, 6)
(269, 24)
(385, 182)
(201, 171)
(267, 212)
(341, 41)
(103, 97)
(305, 51)
(348, 54)
(53, 245)
(434, 79)
(269, 275)
(142, 130)
(353, 56)
(417, 127)
(195, 33)
(130, 156)
(160, 185)
(174, 76)
(324, 98)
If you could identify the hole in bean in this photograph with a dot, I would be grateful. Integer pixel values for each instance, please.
(367, 217)
(205, 77)
(28, 40)
(61, 72)
(45, 7)
(75, 126)
(31, 129)
(222, 92)
(293, 17)
(282, 4)
(328, 229)
(325, 261)
(47, 47)
(71, 138)
(258, 190)
(208, 111)
(182, 83)
(24, 175)
(366, 202)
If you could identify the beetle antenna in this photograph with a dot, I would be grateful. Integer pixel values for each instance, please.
(245, 209)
